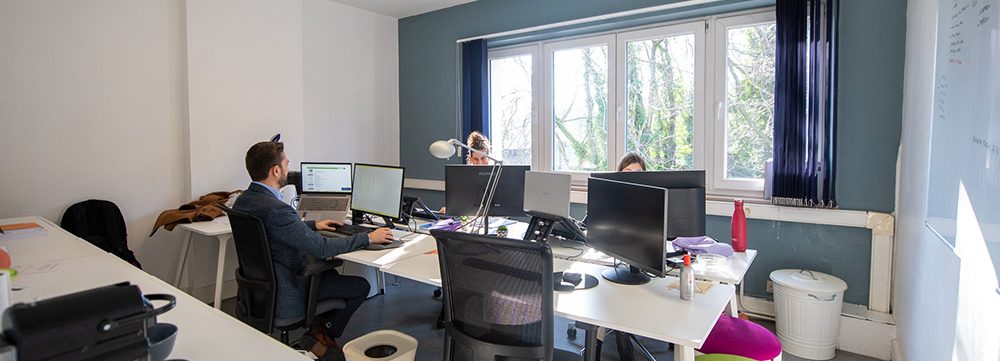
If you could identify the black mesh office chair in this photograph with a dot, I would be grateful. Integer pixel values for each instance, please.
(255, 280)
(498, 298)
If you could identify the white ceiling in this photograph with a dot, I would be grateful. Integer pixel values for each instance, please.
(402, 8)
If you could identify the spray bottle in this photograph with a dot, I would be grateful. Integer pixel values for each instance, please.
(687, 279)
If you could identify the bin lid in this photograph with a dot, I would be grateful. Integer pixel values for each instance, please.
(807, 280)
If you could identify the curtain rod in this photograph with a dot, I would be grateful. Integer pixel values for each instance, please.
(679, 4)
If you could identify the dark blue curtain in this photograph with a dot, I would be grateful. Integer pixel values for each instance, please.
(804, 116)
(475, 88)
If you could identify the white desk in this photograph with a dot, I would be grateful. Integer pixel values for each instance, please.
(650, 310)
(58, 245)
(204, 333)
(218, 228)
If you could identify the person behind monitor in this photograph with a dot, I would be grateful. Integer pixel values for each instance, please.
(290, 240)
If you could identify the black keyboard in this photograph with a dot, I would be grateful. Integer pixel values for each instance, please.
(350, 229)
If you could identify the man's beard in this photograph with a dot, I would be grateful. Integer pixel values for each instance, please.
(283, 181)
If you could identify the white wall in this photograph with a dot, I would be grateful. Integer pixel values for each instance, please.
(90, 107)
(941, 312)
(352, 87)
(245, 85)
(150, 103)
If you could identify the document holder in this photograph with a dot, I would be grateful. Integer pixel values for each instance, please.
(104, 323)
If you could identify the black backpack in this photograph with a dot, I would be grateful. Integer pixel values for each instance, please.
(101, 223)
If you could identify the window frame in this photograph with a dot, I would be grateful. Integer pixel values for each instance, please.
(521, 50)
(736, 186)
(709, 141)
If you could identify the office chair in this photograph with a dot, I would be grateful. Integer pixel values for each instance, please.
(498, 298)
(256, 284)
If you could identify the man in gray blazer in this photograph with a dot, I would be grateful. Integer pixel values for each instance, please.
(290, 239)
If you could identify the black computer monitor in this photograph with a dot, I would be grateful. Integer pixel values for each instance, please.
(466, 184)
(377, 189)
(686, 209)
(629, 222)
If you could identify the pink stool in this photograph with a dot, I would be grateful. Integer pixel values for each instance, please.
(734, 336)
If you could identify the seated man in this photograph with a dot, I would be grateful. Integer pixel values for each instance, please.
(290, 239)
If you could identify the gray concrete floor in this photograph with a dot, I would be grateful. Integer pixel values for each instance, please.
(410, 307)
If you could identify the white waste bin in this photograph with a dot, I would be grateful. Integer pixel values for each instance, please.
(807, 307)
(382, 345)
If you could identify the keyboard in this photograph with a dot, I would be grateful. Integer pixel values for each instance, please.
(350, 229)
(322, 204)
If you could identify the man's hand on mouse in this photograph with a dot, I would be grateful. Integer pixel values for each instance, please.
(380, 236)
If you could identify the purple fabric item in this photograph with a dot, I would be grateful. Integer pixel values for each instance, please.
(734, 336)
(703, 245)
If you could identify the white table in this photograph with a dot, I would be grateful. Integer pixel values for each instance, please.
(650, 310)
(204, 333)
(59, 244)
(218, 228)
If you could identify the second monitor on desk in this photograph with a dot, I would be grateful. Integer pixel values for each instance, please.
(378, 190)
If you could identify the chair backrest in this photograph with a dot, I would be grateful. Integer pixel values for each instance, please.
(498, 296)
(101, 223)
(256, 288)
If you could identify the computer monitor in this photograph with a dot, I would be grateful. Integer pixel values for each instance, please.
(378, 189)
(547, 192)
(629, 222)
(466, 184)
(326, 177)
(686, 209)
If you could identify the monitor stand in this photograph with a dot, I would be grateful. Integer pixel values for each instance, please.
(358, 218)
(626, 275)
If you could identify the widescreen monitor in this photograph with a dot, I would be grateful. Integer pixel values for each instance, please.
(466, 184)
(378, 190)
(629, 222)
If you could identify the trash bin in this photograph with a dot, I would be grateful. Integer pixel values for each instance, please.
(807, 307)
(382, 345)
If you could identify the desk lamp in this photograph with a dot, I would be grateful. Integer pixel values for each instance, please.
(444, 149)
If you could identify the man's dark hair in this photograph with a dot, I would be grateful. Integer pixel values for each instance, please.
(261, 157)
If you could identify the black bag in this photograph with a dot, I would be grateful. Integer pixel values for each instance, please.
(101, 223)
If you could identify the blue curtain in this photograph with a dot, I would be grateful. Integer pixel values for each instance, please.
(804, 106)
(475, 88)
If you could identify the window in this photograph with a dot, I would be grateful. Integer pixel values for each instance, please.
(512, 104)
(691, 95)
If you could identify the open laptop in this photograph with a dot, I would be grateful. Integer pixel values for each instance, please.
(326, 191)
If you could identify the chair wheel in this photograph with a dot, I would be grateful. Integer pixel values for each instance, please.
(571, 333)
(437, 293)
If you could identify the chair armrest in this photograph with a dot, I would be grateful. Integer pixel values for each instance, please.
(314, 266)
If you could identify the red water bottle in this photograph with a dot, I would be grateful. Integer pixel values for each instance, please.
(739, 230)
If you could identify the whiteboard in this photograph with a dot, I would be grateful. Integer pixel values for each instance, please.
(964, 184)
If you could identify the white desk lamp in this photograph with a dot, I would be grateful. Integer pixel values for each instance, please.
(444, 149)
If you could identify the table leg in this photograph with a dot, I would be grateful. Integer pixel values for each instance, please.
(219, 268)
(380, 280)
(590, 341)
(733, 300)
(182, 259)
(683, 353)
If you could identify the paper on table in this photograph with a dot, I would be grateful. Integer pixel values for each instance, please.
(700, 287)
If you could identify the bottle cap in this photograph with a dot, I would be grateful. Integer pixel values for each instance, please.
(687, 260)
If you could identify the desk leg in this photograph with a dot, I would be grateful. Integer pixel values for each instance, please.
(683, 353)
(733, 302)
(219, 268)
(182, 259)
(590, 341)
(380, 280)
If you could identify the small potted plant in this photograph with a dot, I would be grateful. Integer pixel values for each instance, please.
(502, 231)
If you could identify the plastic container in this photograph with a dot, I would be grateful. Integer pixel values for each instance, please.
(807, 307)
(382, 345)
(711, 262)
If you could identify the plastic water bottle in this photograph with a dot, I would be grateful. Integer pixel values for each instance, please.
(687, 279)
(739, 230)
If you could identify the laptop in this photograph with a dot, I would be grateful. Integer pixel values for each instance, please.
(326, 191)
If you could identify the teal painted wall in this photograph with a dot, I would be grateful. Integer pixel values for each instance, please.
(869, 120)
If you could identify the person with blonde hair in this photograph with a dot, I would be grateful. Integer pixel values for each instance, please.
(478, 142)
